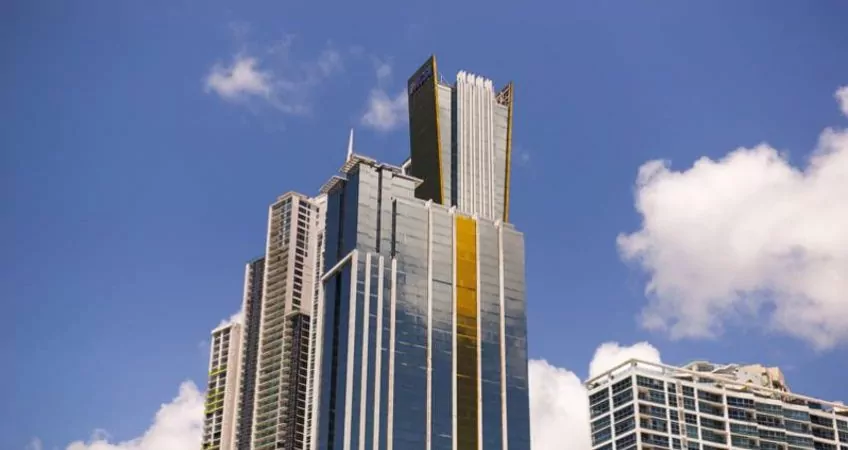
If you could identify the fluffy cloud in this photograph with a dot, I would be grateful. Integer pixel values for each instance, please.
(177, 425)
(559, 406)
(842, 98)
(278, 80)
(746, 236)
(235, 318)
(34, 444)
(240, 80)
(384, 112)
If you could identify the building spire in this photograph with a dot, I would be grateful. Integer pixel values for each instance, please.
(350, 146)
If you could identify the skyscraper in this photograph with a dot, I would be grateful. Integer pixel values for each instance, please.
(280, 401)
(220, 414)
(423, 340)
(254, 274)
(705, 406)
(461, 141)
(388, 312)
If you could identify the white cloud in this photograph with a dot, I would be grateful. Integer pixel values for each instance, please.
(34, 444)
(278, 80)
(746, 236)
(842, 98)
(385, 113)
(240, 80)
(559, 405)
(610, 354)
(559, 408)
(384, 71)
(177, 425)
(238, 317)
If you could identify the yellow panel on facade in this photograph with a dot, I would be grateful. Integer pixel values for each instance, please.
(466, 333)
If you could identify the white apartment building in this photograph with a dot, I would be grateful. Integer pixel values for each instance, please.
(705, 406)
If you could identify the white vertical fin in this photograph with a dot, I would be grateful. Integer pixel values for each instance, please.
(350, 145)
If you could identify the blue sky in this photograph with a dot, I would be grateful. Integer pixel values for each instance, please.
(136, 168)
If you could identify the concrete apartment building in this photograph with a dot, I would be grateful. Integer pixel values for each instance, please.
(705, 406)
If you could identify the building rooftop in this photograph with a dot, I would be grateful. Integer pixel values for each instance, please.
(755, 379)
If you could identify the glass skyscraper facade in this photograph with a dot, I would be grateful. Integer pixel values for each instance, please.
(424, 329)
(704, 406)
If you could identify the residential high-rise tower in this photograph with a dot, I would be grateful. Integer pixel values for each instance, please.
(280, 400)
(705, 406)
(251, 315)
(220, 414)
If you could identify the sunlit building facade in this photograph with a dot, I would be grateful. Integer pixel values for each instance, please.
(424, 328)
(705, 406)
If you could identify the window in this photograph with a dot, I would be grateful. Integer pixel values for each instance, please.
(712, 436)
(649, 382)
(741, 402)
(623, 412)
(712, 423)
(651, 410)
(691, 419)
(797, 427)
(622, 398)
(692, 431)
(799, 441)
(765, 445)
(708, 408)
(622, 385)
(651, 395)
(626, 442)
(654, 439)
(601, 436)
(772, 435)
(654, 424)
(824, 433)
(823, 421)
(600, 408)
(710, 396)
(745, 430)
(743, 442)
(601, 423)
(624, 426)
(740, 414)
(769, 421)
(803, 416)
(594, 398)
(769, 408)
